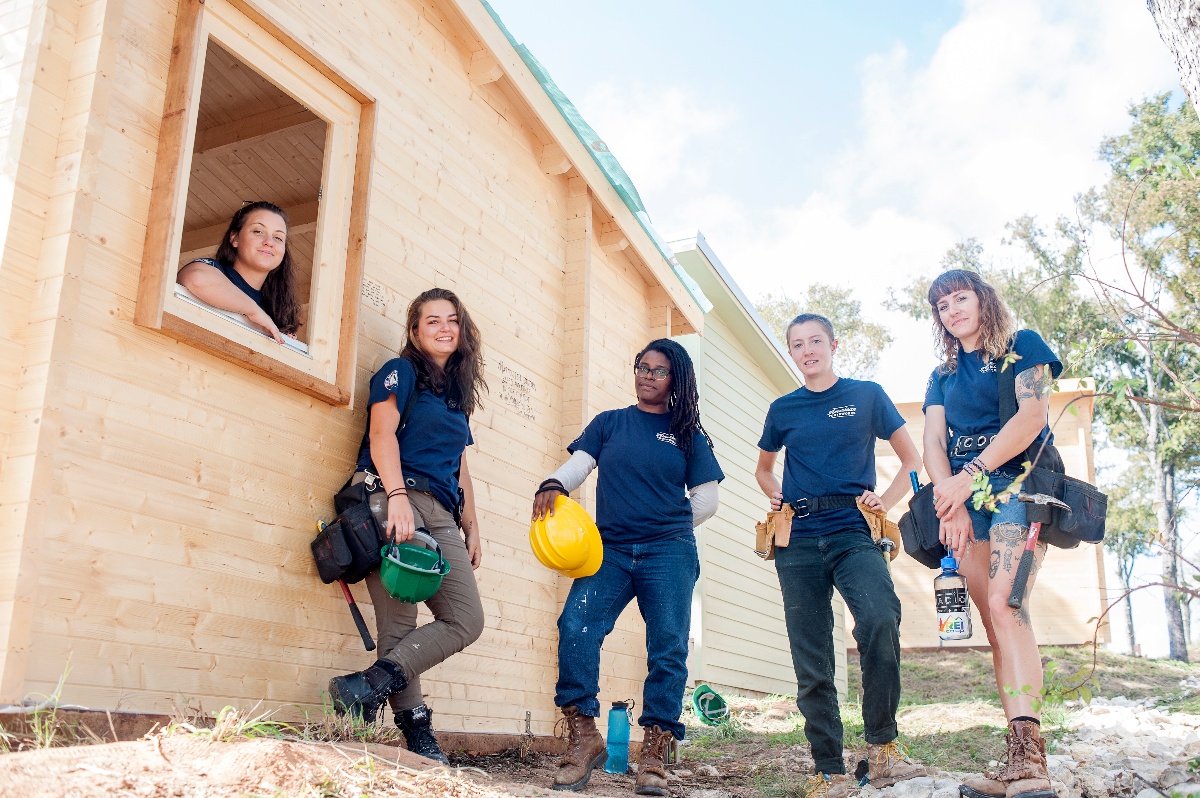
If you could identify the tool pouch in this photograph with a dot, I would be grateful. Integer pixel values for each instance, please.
(776, 531)
(1066, 529)
(882, 528)
(348, 547)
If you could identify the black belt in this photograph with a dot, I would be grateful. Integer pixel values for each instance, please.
(965, 445)
(807, 506)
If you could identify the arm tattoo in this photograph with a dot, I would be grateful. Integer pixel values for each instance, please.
(1032, 383)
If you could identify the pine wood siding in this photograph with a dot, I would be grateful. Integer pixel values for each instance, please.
(158, 501)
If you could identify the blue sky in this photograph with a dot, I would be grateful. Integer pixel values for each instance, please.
(854, 142)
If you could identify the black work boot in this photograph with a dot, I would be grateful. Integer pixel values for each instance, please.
(416, 723)
(363, 693)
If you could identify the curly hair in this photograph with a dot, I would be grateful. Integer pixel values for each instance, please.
(996, 323)
(279, 289)
(462, 379)
(684, 400)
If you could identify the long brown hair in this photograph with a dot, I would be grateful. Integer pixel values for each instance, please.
(462, 379)
(279, 289)
(996, 323)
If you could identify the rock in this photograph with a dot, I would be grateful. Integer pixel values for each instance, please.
(940, 784)
(1188, 788)
(946, 792)
(1150, 771)
(1060, 790)
(708, 771)
(921, 787)
(709, 794)
(1148, 793)
(1082, 751)
(1063, 774)
(1091, 786)
(1173, 776)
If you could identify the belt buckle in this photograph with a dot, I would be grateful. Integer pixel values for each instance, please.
(800, 508)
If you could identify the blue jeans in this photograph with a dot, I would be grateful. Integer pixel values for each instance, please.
(809, 569)
(660, 575)
(1011, 512)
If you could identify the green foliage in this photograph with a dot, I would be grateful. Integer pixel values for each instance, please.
(233, 724)
(1057, 688)
(860, 342)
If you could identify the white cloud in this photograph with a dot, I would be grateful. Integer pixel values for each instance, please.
(651, 133)
(1005, 119)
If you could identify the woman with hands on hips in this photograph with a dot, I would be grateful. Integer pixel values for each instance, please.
(976, 336)
(422, 466)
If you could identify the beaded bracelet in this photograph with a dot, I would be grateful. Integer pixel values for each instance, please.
(976, 467)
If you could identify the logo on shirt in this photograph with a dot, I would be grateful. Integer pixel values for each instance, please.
(391, 380)
(845, 411)
(667, 437)
(988, 367)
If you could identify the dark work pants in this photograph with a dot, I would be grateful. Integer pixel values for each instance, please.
(809, 569)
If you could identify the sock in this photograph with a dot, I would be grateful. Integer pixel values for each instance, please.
(1026, 717)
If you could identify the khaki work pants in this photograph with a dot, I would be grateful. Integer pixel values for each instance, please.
(457, 612)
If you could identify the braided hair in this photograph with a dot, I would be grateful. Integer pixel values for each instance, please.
(684, 400)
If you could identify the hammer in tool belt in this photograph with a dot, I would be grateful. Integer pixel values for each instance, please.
(1025, 567)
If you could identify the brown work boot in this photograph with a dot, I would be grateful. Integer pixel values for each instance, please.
(585, 750)
(888, 763)
(1026, 772)
(652, 767)
(1023, 772)
(824, 785)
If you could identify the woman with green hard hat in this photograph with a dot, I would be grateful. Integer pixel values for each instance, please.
(421, 468)
(657, 481)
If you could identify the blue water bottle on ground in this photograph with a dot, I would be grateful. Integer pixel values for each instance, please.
(618, 738)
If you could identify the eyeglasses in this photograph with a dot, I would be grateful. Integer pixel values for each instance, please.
(657, 374)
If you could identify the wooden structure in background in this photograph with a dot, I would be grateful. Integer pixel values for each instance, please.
(739, 638)
(162, 470)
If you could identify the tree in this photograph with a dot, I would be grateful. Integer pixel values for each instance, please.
(1178, 24)
(1131, 528)
(860, 342)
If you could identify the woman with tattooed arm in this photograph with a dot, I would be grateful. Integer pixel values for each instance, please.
(977, 338)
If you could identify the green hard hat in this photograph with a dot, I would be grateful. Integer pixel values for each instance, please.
(411, 572)
(710, 708)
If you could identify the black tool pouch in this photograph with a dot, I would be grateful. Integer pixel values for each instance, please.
(920, 530)
(348, 547)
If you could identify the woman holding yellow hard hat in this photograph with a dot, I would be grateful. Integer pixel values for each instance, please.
(657, 481)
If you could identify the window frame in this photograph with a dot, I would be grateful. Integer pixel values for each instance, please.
(327, 369)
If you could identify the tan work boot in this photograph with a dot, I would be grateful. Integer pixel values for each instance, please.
(888, 763)
(824, 785)
(1026, 774)
(652, 768)
(1023, 772)
(585, 750)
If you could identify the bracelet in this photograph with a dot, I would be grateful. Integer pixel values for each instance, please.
(397, 492)
(553, 484)
(976, 467)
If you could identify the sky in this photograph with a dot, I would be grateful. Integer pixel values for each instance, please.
(855, 143)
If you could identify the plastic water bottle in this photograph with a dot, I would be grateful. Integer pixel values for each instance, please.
(618, 738)
(953, 604)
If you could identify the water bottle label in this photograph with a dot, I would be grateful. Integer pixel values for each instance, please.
(951, 599)
(954, 625)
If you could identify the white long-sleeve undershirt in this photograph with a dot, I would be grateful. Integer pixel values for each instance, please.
(704, 498)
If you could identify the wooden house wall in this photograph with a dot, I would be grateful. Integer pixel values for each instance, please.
(743, 643)
(159, 501)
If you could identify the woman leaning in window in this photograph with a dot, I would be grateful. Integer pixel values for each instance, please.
(251, 273)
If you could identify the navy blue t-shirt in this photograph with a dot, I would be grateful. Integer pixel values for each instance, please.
(830, 439)
(235, 278)
(644, 475)
(971, 394)
(433, 440)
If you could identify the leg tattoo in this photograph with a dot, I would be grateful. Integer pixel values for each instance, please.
(995, 565)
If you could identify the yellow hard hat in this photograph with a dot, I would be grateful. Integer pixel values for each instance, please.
(568, 541)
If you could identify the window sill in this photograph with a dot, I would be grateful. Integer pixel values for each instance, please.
(289, 342)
